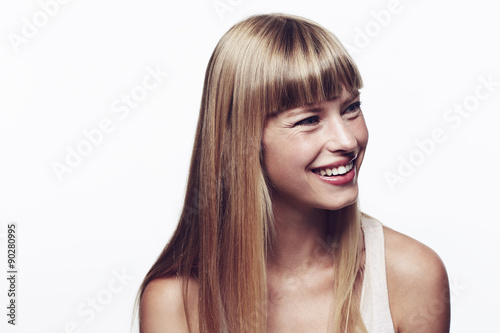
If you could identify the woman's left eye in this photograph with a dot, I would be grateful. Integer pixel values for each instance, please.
(353, 107)
(308, 121)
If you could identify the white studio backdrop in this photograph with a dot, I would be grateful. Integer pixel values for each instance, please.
(99, 102)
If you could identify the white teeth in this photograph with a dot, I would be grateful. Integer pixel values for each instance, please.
(336, 171)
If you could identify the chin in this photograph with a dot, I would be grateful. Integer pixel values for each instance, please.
(341, 202)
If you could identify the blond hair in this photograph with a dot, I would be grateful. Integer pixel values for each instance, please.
(262, 66)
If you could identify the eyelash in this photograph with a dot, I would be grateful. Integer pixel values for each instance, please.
(353, 107)
(350, 109)
(304, 121)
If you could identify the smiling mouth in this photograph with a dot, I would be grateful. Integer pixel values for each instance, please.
(338, 171)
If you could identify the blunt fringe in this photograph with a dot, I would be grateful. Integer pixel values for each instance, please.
(262, 66)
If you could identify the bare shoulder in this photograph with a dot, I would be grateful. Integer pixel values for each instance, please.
(418, 285)
(162, 306)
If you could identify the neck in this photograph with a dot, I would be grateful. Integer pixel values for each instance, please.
(302, 238)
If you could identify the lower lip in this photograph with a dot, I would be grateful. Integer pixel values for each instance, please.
(339, 180)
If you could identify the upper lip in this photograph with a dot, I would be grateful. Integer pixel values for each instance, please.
(336, 164)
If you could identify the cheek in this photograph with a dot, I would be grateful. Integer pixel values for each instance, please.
(361, 133)
(285, 157)
(275, 157)
(364, 138)
(271, 155)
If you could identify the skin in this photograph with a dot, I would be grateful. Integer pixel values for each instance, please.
(300, 270)
(305, 138)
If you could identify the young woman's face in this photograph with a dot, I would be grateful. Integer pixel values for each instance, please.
(313, 153)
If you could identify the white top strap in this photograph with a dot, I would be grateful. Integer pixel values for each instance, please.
(375, 309)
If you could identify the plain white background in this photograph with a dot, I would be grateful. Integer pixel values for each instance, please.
(87, 237)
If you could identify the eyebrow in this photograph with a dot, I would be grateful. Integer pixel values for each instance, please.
(315, 109)
(303, 109)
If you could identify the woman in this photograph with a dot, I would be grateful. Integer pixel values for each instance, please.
(271, 238)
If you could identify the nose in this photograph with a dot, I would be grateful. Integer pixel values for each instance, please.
(339, 136)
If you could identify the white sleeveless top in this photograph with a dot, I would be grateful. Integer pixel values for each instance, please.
(375, 309)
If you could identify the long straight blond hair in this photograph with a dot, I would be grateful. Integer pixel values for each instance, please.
(262, 66)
